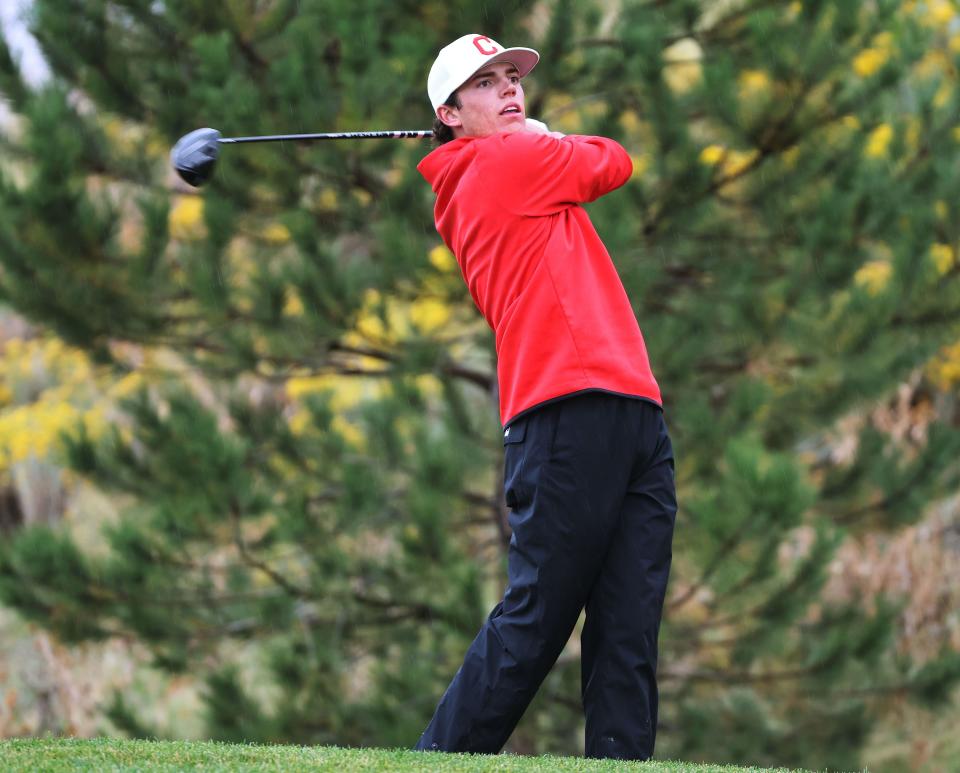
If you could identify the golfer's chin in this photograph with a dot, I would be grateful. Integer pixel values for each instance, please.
(515, 122)
(502, 124)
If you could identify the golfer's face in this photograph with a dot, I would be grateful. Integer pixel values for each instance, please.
(492, 101)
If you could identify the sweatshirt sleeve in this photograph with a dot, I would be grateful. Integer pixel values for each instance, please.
(539, 175)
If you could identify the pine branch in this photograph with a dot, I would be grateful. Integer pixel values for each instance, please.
(250, 560)
(732, 677)
(723, 552)
(403, 610)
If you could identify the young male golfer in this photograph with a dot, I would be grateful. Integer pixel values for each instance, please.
(588, 462)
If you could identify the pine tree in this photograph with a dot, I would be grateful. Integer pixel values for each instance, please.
(315, 524)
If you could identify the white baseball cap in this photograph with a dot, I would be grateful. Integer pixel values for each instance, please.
(464, 56)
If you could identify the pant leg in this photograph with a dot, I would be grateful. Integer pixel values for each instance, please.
(565, 477)
(619, 641)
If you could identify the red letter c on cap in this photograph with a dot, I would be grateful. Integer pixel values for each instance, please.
(479, 41)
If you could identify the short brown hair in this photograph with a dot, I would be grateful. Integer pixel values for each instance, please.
(441, 132)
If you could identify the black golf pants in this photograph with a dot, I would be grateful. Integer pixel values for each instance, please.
(589, 480)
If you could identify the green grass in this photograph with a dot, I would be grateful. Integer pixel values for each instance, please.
(113, 755)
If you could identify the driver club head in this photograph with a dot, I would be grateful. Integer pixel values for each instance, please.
(195, 155)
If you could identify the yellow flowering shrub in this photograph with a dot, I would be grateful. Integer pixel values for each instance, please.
(878, 143)
(293, 304)
(185, 220)
(328, 199)
(345, 393)
(752, 83)
(731, 162)
(299, 422)
(871, 59)
(944, 369)
(850, 122)
(874, 276)
(641, 163)
(912, 134)
(49, 388)
(362, 196)
(429, 314)
(943, 257)
(567, 114)
(630, 121)
(712, 154)
(738, 161)
(944, 92)
(33, 430)
(937, 13)
(381, 320)
(126, 386)
(276, 233)
(28, 367)
(442, 259)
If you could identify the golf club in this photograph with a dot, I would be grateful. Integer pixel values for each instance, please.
(195, 154)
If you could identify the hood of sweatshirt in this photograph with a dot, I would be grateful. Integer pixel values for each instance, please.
(444, 167)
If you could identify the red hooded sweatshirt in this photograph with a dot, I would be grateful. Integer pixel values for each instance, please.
(508, 206)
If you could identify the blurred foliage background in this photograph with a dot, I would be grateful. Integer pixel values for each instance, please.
(250, 465)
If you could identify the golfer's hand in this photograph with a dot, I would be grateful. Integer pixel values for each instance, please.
(539, 127)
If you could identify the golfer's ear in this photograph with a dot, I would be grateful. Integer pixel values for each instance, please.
(450, 116)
